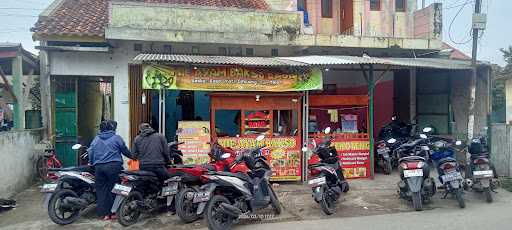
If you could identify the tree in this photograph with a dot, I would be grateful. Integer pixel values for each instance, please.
(507, 55)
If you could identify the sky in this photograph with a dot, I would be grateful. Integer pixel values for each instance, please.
(18, 16)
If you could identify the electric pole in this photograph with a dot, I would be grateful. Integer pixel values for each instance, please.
(476, 25)
(478, 8)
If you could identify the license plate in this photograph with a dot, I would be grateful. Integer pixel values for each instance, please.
(201, 197)
(121, 189)
(170, 190)
(451, 177)
(317, 181)
(483, 174)
(49, 188)
(413, 173)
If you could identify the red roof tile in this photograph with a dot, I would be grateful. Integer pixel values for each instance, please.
(90, 17)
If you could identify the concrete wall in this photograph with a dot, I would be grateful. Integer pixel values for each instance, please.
(501, 148)
(428, 22)
(17, 167)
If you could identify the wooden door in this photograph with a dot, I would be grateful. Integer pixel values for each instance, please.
(139, 112)
(347, 17)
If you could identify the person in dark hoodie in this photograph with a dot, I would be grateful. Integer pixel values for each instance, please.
(105, 155)
(151, 150)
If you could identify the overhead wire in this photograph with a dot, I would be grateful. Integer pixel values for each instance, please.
(451, 24)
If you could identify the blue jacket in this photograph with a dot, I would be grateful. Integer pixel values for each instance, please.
(107, 147)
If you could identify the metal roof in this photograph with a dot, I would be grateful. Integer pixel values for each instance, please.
(312, 60)
(218, 60)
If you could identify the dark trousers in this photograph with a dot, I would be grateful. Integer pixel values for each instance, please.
(160, 171)
(107, 175)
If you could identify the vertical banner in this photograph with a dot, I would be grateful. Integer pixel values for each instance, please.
(196, 136)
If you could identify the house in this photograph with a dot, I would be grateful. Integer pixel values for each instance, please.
(366, 60)
(19, 88)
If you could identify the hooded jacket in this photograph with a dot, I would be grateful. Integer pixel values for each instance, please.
(107, 147)
(150, 148)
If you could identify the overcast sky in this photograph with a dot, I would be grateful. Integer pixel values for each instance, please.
(17, 16)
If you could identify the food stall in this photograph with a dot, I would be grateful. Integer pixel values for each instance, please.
(347, 115)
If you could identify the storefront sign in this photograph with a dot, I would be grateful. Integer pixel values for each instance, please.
(196, 136)
(355, 157)
(230, 79)
(284, 154)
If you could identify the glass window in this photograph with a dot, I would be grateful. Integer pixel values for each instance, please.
(227, 123)
(375, 5)
(326, 8)
(274, 52)
(285, 122)
(400, 5)
(257, 122)
(249, 52)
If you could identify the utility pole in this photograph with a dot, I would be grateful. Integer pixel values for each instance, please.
(472, 82)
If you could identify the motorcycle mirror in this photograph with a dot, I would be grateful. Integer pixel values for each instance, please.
(393, 118)
(423, 136)
(427, 129)
(327, 130)
(391, 141)
(225, 156)
(260, 137)
(458, 143)
(304, 149)
(76, 146)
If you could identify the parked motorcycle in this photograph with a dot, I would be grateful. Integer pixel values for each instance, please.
(481, 171)
(71, 192)
(221, 160)
(449, 170)
(227, 196)
(415, 181)
(400, 132)
(327, 181)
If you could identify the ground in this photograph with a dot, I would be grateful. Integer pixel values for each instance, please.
(376, 198)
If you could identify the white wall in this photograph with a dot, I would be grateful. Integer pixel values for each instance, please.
(17, 167)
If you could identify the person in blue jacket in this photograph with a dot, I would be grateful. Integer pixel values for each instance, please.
(105, 155)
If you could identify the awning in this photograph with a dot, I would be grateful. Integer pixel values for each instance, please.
(305, 61)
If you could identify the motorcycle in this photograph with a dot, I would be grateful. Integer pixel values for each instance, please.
(221, 159)
(481, 171)
(71, 192)
(415, 182)
(228, 196)
(449, 170)
(326, 172)
(401, 133)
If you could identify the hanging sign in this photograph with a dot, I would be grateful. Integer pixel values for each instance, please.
(283, 154)
(196, 136)
(230, 79)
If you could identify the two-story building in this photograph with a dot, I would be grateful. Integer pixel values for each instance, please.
(284, 68)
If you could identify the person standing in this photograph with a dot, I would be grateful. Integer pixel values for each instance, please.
(105, 155)
(151, 150)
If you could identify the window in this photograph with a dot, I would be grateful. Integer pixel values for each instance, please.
(375, 5)
(285, 122)
(301, 5)
(223, 51)
(326, 8)
(137, 47)
(195, 50)
(235, 51)
(249, 52)
(274, 52)
(227, 123)
(400, 5)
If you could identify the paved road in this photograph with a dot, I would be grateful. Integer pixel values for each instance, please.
(484, 217)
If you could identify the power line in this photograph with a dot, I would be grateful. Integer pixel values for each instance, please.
(451, 24)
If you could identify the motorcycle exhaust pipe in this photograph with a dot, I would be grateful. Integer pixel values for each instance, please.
(74, 203)
(230, 210)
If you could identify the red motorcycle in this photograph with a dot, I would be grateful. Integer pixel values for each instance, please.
(221, 160)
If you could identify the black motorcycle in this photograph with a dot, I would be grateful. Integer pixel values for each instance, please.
(397, 131)
(71, 193)
(327, 181)
(415, 183)
(481, 170)
(228, 196)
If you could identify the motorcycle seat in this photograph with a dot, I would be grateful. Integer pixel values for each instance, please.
(140, 173)
(445, 160)
(411, 158)
(241, 176)
(85, 168)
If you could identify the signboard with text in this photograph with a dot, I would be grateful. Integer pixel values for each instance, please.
(230, 79)
(284, 154)
(196, 136)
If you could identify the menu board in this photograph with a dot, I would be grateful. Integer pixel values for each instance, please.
(355, 157)
(196, 136)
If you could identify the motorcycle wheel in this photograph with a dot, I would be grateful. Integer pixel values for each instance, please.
(488, 195)
(127, 215)
(215, 219)
(460, 198)
(275, 202)
(185, 208)
(417, 201)
(387, 167)
(42, 168)
(328, 204)
(57, 213)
